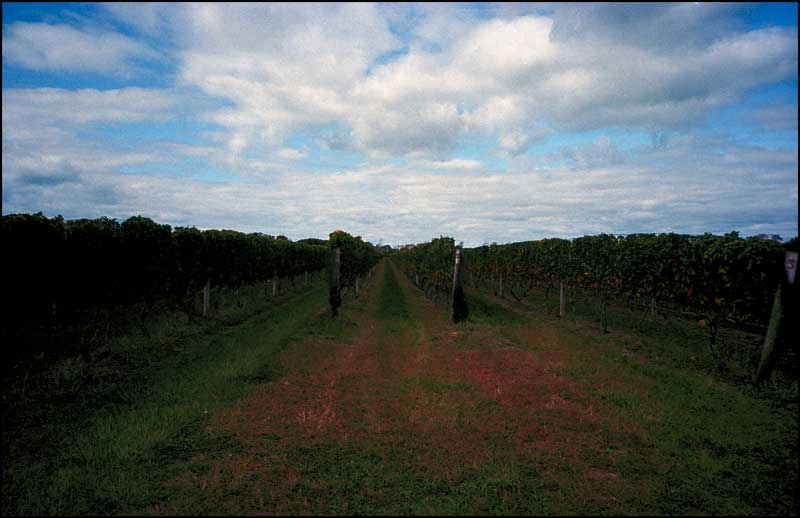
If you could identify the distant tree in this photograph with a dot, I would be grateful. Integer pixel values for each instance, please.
(314, 241)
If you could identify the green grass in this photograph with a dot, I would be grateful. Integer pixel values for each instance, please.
(714, 445)
(678, 340)
(484, 311)
(704, 443)
(389, 482)
(392, 303)
(95, 458)
(379, 479)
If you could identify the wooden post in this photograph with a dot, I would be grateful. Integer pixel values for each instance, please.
(416, 277)
(334, 288)
(206, 296)
(306, 280)
(501, 286)
(562, 300)
(275, 283)
(767, 362)
(459, 303)
(604, 309)
(790, 264)
(356, 287)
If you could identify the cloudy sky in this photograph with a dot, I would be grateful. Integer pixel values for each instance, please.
(403, 122)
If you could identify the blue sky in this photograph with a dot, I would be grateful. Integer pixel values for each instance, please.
(402, 122)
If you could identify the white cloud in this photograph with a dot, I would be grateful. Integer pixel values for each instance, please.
(41, 46)
(287, 67)
(515, 142)
(600, 153)
(53, 106)
(191, 150)
(457, 164)
(283, 66)
(497, 114)
(681, 187)
(151, 18)
(41, 144)
(292, 153)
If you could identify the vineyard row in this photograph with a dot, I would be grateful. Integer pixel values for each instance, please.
(70, 267)
(716, 278)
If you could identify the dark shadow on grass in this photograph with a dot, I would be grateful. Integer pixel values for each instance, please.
(485, 311)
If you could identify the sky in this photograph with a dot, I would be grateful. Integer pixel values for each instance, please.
(404, 122)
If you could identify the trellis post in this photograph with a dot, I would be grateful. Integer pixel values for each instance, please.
(767, 361)
(206, 296)
(335, 297)
(459, 303)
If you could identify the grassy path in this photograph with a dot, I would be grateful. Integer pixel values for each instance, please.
(112, 457)
(711, 447)
(392, 409)
(506, 414)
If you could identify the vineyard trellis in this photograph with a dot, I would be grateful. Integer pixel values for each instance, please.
(718, 280)
(59, 269)
(715, 278)
(350, 260)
